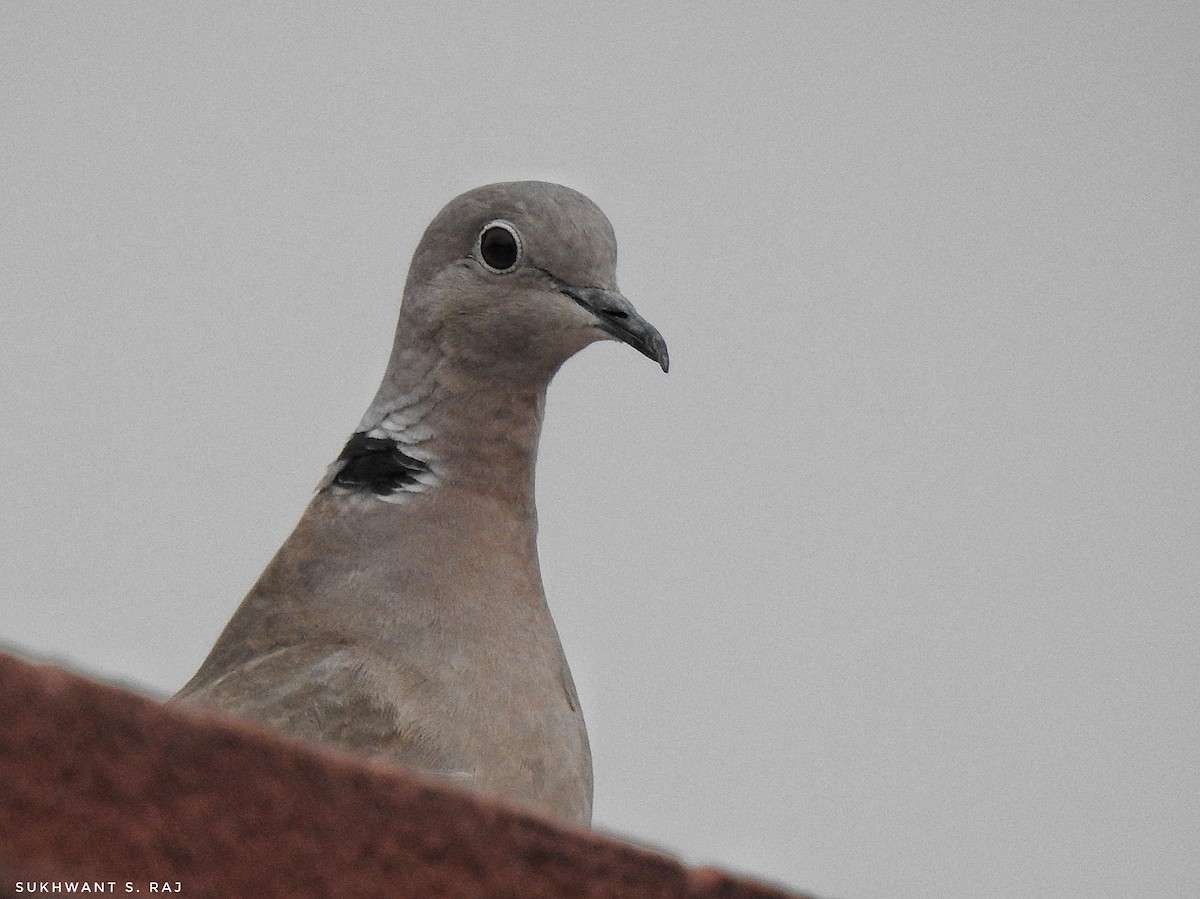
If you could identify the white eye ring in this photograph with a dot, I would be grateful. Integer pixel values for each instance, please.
(498, 247)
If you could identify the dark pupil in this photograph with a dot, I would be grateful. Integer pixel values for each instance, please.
(498, 248)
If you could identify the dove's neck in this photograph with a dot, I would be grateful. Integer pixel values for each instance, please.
(464, 432)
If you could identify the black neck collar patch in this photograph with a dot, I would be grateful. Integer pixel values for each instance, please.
(377, 465)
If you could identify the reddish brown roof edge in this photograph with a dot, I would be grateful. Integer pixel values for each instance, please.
(100, 784)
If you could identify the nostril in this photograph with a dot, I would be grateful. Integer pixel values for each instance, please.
(616, 313)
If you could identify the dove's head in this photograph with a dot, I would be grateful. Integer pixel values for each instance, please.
(510, 280)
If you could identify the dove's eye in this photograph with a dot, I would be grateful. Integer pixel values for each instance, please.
(499, 247)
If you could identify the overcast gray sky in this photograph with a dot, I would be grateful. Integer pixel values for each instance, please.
(888, 589)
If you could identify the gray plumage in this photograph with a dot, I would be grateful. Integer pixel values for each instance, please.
(404, 617)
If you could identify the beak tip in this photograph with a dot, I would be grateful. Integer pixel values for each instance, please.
(656, 348)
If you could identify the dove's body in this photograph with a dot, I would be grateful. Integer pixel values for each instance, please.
(404, 617)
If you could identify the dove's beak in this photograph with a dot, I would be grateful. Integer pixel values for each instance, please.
(616, 316)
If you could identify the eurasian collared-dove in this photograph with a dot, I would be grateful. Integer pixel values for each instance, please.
(404, 617)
